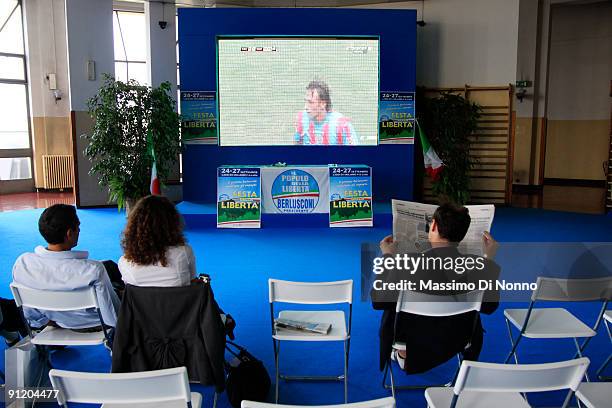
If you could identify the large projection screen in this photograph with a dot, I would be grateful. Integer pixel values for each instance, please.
(276, 91)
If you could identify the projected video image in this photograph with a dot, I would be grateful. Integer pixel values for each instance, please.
(298, 91)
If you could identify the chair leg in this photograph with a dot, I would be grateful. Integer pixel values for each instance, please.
(459, 361)
(385, 371)
(276, 366)
(602, 368)
(392, 379)
(514, 345)
(45, 360)
(605, 364)
(566, 403)
(579, 353)
(346, 372)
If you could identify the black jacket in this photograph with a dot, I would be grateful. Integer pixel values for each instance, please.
(170, 327)
(431, 341)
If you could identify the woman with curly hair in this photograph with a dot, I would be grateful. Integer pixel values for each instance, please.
(154, 249)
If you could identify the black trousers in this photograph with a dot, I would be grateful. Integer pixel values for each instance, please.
(12, 321)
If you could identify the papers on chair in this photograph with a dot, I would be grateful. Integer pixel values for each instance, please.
(311, 327)
(411, 222)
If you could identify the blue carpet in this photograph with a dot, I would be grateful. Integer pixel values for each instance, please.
(241, 261)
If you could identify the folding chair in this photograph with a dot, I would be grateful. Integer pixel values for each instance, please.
(167, 388)
(595, 395)
(312, 293)
(435, 306)
(608, 321)
(481, 385)
(84, 298)
(557, 323)
(377, 403)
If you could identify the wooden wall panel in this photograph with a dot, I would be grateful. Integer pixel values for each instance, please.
(490, 145)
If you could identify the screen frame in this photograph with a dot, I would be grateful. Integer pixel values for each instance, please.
(293, 37)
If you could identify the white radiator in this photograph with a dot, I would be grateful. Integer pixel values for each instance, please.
(57, 171)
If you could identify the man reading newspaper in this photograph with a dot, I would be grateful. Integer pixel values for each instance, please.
(440, 270)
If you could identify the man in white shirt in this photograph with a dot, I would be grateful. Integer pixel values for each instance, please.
(57, 267)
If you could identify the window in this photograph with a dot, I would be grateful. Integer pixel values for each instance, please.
(129, 32)
(15, 148)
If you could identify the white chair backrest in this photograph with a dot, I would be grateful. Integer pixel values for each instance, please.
(312, 293)
(436, 305)
(121, 388)
(388, 402)
(558, 289)
(83, 298)
(491, 377)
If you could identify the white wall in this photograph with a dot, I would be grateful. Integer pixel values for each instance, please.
(161, 64)
(46, 51)
(90, 37)
(580, 62)
(464, 42)
(161, 44)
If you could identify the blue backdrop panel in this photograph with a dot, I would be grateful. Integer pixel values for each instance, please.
(393, 165)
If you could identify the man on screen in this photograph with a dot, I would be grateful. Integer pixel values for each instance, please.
(317, 124)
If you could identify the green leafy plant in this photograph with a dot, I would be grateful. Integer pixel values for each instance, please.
(118, 147)
(448, 121)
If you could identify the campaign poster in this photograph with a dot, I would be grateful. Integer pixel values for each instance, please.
(199, 117)
(238, 197)
(295, 190)
(396, 123)
(350, 196)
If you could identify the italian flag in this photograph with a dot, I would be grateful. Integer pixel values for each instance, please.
(155, 187)
(433, 164)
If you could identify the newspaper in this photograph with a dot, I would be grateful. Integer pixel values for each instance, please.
(319, 328)
(411, 223)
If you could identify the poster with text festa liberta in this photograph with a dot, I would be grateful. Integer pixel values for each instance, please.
(199, 117)
(396, 123)
(238, 197)
(350, 196)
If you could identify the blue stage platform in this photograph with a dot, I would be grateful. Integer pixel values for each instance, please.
(199, 215)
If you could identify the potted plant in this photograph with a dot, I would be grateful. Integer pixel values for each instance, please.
(448, 121)
(131, 121)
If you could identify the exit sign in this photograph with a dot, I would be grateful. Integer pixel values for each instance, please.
(523, 84)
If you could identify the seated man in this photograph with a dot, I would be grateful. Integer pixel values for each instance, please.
(57, 267)
(431, 341)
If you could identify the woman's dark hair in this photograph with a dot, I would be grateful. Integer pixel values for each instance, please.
(453, 222)
(55, 222)
(153, 226)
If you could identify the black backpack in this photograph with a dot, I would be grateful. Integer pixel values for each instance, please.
(249, 380)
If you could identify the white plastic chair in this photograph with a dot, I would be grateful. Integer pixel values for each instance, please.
(377, 403)
(481, 385)
(608, 322)
(312, 293)
(430, 305)
(595, 395)
(556, 323)
(79, 299)
(167, 388)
